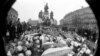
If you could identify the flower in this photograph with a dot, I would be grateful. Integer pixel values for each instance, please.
(88, 51)
(37, 41)
(9, 53)
(19, 48)
(28, 52)
(20, 54)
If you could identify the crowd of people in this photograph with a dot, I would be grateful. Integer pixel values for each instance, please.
(36, 43)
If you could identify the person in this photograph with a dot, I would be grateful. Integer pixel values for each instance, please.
(5, 6)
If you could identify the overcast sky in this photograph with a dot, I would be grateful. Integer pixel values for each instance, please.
(30, 8)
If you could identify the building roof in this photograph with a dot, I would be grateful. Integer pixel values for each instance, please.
(13, 10)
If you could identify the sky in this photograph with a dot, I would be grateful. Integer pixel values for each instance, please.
(29, 9)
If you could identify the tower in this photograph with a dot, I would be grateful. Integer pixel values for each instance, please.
(40, 14)
(53, 21)
(46, 12)
(46, 7)
(51, 15)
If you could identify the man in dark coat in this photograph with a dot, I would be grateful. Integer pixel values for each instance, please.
(5, 6)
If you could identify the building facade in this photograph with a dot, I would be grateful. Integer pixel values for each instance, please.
(33, 22)
(83, 17)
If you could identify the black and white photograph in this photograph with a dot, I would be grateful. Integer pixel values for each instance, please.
(48, 28)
